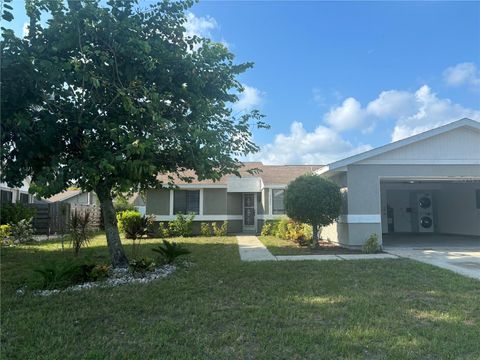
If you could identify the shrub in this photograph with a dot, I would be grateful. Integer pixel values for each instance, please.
(282, 228)
(371, 246)
(164, 230)
(59, 275)
(308, 231)
(152, 230)
(313, 200)
(121, 204)
(141, 265)
(267, 229)
(99, 272)
(130, 223)
(80, 230)
(182, 225)
(220, 230)
(170, 251)
(13, 213)
(22, 231)
(5, 233)
(205, 229)
(294, 231)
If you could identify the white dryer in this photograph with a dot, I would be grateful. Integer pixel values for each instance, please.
(425, 212)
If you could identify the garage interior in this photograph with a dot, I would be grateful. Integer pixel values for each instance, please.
(430, 213)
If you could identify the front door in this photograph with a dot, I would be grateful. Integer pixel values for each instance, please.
(249, 212)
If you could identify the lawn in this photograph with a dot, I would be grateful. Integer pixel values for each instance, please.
(279, 246)
(221, 308)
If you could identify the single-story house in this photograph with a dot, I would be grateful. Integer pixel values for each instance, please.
(74, 196)
(428, 183)
(246, 201)
(425, 184)
(138, 200)
(16, 195)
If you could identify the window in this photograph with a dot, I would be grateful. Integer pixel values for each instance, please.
(278, 206)
(186, 201)
(478, 198)
(6, 196)
(23, 198)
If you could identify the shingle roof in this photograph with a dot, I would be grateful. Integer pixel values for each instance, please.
(270, 174)
(64, 195)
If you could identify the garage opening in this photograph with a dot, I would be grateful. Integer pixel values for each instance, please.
(430, 212)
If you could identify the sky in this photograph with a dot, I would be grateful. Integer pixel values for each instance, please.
(338, 78)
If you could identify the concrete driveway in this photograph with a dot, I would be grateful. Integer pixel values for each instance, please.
(460, 254)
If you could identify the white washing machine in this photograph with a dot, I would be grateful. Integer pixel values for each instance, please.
(425, 212)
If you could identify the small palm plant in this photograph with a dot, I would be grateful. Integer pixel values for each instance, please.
(80, 230)
(171, 250)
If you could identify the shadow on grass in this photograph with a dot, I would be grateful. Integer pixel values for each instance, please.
(224, 308)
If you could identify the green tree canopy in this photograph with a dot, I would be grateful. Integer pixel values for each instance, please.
(313, 200)
(108, 95)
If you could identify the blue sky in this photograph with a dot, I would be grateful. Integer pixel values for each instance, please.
(336, 78)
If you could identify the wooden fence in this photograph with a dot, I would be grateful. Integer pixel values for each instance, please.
(53, 218)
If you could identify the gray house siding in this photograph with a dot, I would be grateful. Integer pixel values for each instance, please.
(234, 203)
(158, 202)
(214, 201)
(364, 191)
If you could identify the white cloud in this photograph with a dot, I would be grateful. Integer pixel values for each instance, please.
(429, 112)
(200, 26)
(347, 116)
(462, 74)
(392, 103)
(413, 112)
(321, 146)
(249, 99)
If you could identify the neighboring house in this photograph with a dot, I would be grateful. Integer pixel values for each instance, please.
(138, 201)
(74, 197)
(16, 195)
(246, 202)
(427, 183)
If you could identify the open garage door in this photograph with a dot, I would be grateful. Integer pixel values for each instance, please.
(430, 212)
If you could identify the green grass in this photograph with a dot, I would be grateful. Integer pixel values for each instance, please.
(221, 308)
(279, 246)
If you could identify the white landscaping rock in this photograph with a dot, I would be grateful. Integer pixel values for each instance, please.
(118, 277)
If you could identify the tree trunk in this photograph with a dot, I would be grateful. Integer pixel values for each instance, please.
(314, 236)
(115, 248)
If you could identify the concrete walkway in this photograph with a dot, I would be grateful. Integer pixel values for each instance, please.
(252, 249)
(464, 262)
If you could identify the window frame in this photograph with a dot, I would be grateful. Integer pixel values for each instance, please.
(8, 199)
(276, 211)
(189, 198)
(20, 195)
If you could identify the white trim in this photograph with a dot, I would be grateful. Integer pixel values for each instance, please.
(201, 217)
(429, 178)
(420, 162)
(271, 217)
(170, 211)
(276, 186)
(360, 219)
(202, 186)
(337, 165)
(255, 222)
(270, 202)
(270, 210)
(200, 206)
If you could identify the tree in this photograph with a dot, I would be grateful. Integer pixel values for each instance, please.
(313, 200)
(106, 96)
